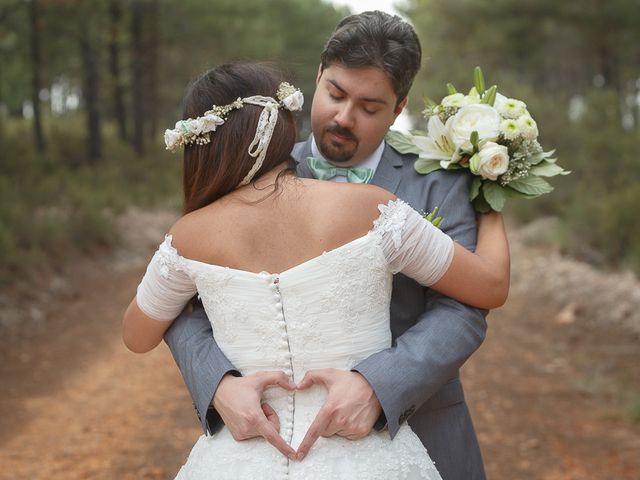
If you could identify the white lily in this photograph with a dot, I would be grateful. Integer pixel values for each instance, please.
(438, 144)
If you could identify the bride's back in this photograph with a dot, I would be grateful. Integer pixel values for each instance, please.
(235, 217)
(305, 218)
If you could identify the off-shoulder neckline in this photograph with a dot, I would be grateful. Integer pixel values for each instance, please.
(383, 208)
(168, 239)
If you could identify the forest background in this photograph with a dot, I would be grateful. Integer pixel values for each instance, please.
(88, 87)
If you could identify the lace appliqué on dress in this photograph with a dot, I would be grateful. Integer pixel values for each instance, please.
(168, 258)
(167, 285)
(391, 220)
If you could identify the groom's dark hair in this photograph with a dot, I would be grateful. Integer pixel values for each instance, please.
(376, 39)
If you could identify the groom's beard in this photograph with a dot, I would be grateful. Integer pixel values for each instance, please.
(340, 149)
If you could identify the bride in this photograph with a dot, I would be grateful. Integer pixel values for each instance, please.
(295, 275)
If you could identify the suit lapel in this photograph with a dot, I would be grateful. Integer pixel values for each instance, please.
(388, 173)
(300, 152)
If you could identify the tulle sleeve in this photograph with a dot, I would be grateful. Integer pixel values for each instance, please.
(411, 244)
(166, 286)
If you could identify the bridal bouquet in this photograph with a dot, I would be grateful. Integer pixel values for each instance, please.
(492, 136)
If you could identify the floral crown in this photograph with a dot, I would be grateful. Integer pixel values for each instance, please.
(198, 130)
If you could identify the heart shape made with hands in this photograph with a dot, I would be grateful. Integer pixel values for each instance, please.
(350, 409)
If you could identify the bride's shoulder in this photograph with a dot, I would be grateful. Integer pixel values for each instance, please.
(358, 195)
(363, 198)
(192, 233)
(357, 205)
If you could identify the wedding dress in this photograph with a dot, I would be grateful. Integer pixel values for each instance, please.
(331, 311)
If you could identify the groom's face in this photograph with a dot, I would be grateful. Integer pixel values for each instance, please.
(351, 112)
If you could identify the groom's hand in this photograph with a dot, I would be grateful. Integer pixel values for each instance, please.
(350, 409)
(238, 401)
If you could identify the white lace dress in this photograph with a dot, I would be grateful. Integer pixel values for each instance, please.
(329, 312)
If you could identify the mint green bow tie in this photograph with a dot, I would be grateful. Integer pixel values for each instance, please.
(323, 170)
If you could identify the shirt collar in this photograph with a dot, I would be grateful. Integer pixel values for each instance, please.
(371, 162)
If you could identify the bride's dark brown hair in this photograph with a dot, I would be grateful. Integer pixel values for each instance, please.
(215, 169)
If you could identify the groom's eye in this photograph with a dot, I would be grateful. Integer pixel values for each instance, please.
(335, 93)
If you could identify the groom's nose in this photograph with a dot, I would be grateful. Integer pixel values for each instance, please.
(345, 116)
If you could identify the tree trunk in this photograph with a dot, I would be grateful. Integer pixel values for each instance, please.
(138, 97)
(115, 12)
(606, 50)
(152, 71)
(91, 95)
(36, 66)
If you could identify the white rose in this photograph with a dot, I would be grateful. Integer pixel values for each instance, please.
(493, 160)
(172, 139)
(481, 118)
(210, 122)
(528, 127)
(294, 101)
(455, 100)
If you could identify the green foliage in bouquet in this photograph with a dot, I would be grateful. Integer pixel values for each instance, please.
(492, 136)
(432, 217)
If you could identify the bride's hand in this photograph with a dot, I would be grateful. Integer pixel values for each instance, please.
(238, 401)
(350, 409)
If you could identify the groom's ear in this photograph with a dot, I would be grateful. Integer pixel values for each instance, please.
(400, 106)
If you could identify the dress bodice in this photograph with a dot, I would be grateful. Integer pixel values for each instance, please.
(331, 311)
(323, 313)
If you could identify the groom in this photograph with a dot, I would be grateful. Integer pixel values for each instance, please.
(366, 71)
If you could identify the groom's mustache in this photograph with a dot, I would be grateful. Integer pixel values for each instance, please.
(343, 132)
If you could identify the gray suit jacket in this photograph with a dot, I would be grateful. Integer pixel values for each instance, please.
(416, 379)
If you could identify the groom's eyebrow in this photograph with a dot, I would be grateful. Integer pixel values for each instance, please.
(365, 99)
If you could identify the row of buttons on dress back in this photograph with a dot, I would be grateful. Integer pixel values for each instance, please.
(287, 365)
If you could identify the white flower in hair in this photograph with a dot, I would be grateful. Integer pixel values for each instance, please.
(198, 130)
(172, 139)
(195, 126)
(291, 98)
(210, 122)
(294, 102)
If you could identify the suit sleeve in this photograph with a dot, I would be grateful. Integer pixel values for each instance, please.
(201, 363)
(432, 351)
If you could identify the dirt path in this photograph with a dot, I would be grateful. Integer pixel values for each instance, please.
(537, 411)
(77, 405)
(80, 406)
